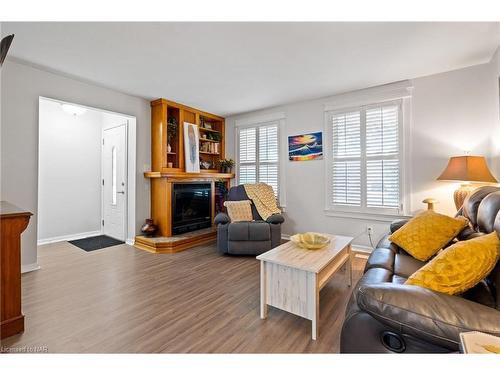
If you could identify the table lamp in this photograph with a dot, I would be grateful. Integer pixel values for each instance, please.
(466, 169)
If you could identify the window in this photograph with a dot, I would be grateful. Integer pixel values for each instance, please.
(113, 176)
(365, 159)
(258, 155)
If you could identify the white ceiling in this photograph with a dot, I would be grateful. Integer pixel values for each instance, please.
(229, 68)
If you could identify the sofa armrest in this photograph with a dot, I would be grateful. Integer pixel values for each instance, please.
(275, 219)
(221, 218)
(428, 315)
(396, 224)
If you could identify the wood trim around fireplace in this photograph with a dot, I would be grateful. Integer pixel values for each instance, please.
(168, 167)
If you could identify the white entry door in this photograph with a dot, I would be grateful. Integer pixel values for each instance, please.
(114, 179)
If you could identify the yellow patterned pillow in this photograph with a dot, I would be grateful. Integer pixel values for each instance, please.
(460, 266)
(239, 210)
(427, 233)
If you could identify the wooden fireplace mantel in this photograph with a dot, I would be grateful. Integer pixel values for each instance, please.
(191, 176)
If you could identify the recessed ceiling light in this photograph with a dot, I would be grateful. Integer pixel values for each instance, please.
(74, 110)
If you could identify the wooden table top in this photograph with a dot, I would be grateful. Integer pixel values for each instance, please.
(291, 255)
(9, 210)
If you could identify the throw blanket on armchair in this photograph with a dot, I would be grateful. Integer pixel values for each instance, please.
(263, 197)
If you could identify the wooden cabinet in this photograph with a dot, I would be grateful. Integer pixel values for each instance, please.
(13, 221)
(167, 146)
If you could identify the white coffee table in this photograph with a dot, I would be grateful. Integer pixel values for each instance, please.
(291, 277)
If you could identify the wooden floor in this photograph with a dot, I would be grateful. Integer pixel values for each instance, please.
(121, 299)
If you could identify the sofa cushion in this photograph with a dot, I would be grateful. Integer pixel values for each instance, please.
(249, 231)
(473, 200)
(376, 275)
(459, 267)
(386, 244)
(239, 210)
(487, 212)
(406, 265)
(381, 258)
(427, 233)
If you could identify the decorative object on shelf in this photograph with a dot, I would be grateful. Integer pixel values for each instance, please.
(310, 240)
(171, 131)
(215, 136)
(170, 164)
(149, 228)
(191, 148)
(466, 169)
(305, 147)
(205, 164)
(226, 165)
(430, 203)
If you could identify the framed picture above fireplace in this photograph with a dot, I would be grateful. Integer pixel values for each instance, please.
(191, 148)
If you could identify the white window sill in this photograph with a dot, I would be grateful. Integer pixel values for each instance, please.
(386, 218)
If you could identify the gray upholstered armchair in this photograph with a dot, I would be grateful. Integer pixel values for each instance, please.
(247, 237)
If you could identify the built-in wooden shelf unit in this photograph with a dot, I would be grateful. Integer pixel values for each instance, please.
(168, 167)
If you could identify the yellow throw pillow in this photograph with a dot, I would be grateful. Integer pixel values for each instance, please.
(239, 210)
(427, 233)
(460, 266)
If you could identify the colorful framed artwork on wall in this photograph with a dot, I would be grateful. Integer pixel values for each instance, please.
(305, 147)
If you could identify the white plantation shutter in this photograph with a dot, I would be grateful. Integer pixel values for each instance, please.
(382, 153)
(366, 158)
(247, 157)
(258, 155)
(346, 168)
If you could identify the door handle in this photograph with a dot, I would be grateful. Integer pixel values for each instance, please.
(120, 192)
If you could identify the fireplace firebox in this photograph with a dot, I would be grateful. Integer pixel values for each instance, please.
(191, 207)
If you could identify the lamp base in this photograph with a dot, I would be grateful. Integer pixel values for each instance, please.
(461, 193)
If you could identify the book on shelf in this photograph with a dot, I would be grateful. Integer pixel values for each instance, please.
(212, 148)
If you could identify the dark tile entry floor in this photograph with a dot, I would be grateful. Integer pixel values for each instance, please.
(95, 243)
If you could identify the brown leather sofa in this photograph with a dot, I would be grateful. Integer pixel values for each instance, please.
(386, 316)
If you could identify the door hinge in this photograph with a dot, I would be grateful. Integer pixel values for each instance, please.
(103, 182)
(103, 222)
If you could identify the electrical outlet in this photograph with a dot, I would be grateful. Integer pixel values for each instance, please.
(369, 229)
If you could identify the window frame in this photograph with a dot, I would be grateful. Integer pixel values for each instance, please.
(263, 121)
(362, 211)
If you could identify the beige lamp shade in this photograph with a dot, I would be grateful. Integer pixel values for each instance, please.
(467, 169)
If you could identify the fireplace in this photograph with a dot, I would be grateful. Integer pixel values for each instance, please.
(191, 207)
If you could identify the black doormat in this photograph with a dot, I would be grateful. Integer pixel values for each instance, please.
(95, 243)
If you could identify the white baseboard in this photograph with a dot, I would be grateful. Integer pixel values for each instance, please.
(29, 267)
(69, 237)
(130, 241)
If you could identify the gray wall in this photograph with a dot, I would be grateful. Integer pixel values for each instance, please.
(496, 139)
(21, 87)
(451, 112)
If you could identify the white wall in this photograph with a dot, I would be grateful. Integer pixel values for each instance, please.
(69, 172)
(451, 112)
(495, 62)
(21, 87)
